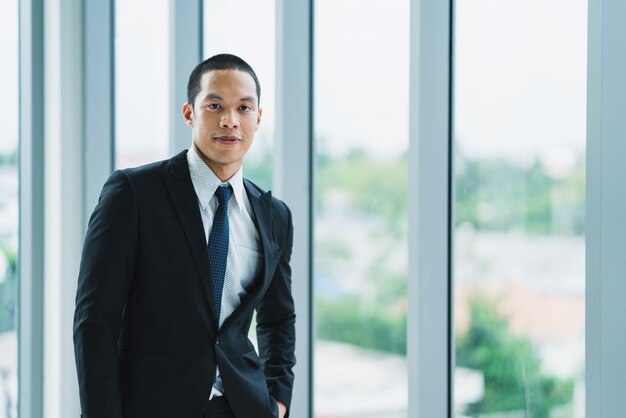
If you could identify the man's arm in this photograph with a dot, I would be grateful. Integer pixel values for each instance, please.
(276, 322)
(106, 269)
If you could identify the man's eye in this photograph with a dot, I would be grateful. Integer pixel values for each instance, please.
(213, 106)
(245, 107)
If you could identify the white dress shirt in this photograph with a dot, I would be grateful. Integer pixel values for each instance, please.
(244, 257)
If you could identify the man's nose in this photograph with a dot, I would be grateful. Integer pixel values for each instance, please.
(229, 120)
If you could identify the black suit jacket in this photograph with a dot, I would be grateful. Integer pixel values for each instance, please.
(146, 339)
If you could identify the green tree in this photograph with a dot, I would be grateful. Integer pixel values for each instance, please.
(260, 171)
(352, 320)
(496, 194)
(8, 291)
(490, 194)
(568, 196)
(512, 371)
(9, 159)
(538, 199)
(373, 186)
(374, 318)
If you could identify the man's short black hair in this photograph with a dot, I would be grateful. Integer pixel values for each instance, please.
(218, 62)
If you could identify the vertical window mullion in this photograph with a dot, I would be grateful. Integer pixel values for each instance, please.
(293, 153)
(98, 91)
(185, 48)
(429, 317)
(31, 235)
(606, 203)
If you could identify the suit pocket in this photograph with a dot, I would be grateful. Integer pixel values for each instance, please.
(251, 397)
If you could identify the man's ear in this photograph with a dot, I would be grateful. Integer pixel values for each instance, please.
(188, 114)
(258, 118)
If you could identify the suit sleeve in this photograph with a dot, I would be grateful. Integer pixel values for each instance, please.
(106, 270)
(276, 320)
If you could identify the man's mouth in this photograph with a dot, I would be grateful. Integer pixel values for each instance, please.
(228, 140)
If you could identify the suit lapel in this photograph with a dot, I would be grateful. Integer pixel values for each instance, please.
(178, 181)
(262, 207)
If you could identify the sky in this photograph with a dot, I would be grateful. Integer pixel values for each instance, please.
(519, 77)
(519, 86)
(362, 76)
(141, 76)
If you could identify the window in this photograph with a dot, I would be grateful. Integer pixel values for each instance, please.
(9, 206)
(141, 82)
(251, 36)
(519, 221)
(361, 123)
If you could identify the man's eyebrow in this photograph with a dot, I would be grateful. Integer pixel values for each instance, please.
(213, 96)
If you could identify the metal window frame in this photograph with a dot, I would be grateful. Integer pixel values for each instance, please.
(31, 202)
(293, 174)
(605, 368)
(185, 52)
(98, 99)
(64, 201)
(430, 207)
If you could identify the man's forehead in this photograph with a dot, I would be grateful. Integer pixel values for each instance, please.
(224, 84)
(234, 76)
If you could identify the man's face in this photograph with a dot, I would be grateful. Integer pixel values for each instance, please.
(224, 119)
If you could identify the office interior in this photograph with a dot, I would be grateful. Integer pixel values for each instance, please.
(455, 170)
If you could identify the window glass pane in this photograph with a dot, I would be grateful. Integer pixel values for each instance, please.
(519, 240)
(251, 36)
(9, 206)
(361, 80)
(141, 80)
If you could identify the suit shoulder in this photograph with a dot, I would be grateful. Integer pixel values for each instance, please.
(281, 207)
(277, 204)
(147, 177)
(145, 171)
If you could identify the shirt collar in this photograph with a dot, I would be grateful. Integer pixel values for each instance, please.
(205, 182)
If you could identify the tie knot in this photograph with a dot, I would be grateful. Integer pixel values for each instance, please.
(223, 194)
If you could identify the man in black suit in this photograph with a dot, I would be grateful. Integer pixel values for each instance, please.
(177, 257)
